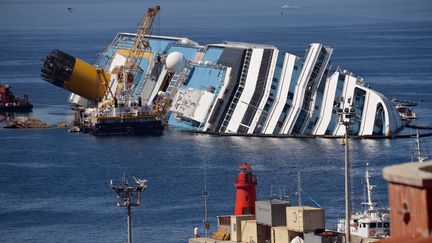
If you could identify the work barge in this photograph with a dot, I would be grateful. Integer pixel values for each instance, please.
(231, 88)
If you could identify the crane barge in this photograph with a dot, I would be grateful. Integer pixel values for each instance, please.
(114, 109)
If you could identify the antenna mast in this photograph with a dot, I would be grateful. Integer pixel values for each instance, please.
(369, 188)
(299, 195)
(418, 152)
(205, 194)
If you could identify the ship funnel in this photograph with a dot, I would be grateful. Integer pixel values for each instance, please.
(75, 75)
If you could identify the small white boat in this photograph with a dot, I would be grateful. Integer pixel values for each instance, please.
(373, 222)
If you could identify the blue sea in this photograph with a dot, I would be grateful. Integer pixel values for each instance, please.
(54, 185)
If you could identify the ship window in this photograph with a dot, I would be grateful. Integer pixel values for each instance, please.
(364, 225)
(379, 225)
(386, 225)
(372, 225)
(290, 95)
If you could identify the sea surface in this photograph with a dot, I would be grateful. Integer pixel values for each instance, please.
(54, 185)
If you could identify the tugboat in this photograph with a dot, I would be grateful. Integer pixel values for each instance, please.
(12, 103)
(373, 222)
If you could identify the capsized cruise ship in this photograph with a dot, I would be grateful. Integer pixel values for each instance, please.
(246, 88)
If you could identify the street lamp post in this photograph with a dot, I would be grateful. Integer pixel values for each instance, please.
(128, 196)
(346, 115)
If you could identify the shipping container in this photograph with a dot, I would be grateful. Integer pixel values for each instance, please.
(236, 227)
(331, 237)
(271, 212)
(263, 233)
(305, 219)
(281, 234)
(249, 231)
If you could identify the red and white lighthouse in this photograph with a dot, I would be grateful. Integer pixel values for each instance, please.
(245, 196)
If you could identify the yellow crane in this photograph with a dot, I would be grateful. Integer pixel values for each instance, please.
(138, 48)
(90, 82)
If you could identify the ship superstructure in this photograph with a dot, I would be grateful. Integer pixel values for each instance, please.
(247, 88)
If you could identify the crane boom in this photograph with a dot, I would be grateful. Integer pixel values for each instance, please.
(140, 44)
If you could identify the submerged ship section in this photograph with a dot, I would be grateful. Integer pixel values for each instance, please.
(245, 88)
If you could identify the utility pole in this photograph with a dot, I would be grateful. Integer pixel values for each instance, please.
(346, 115)
(128, 196)
(299, 196)
(205, 194)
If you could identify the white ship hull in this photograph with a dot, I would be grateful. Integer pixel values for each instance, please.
(243, 88)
